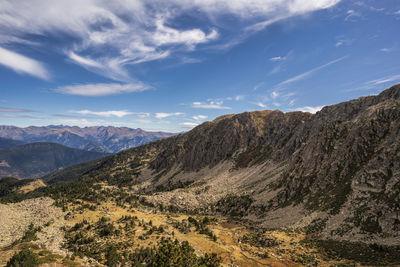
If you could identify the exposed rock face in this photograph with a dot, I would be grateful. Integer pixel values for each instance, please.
(337, 170)
(99, 139)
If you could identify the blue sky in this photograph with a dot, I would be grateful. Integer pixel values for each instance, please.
(171, 65)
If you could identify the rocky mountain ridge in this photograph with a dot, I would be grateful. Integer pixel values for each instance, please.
(335, 172)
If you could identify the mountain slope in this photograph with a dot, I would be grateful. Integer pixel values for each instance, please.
(336, 172)
(37, 159)
(5, 143)
(99, 139)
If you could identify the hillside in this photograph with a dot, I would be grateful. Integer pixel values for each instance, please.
(98, 138)
(336, 172)
(38, 159)
(5, 143)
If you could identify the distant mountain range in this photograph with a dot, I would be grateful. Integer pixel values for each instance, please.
(37, 159)
(100, 139)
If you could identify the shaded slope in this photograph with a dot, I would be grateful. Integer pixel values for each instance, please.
(37, 159)
(5, 142)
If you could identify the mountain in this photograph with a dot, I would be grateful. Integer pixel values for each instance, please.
(99, 139)
(336, 172)
(5, 143)
(37, 159)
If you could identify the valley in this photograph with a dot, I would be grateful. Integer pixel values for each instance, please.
(262, 188)
(131, 227)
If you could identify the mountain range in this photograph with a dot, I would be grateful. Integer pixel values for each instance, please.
(99, 139)
(37, 159)
(336, 172)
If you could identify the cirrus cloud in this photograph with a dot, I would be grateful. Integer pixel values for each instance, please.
(110, 113)
(22, 64)
(209, 105)
(163, 115)
(101, 89)
(107, 36)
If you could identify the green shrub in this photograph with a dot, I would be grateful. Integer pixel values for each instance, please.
(25, 258)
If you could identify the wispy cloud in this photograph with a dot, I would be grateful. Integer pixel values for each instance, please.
(210, 105)
(13, 115)
(239, 97)
(384, 80)
(342, 42)
(14, 110)
(386, 49)
(260, 104)
(188, 125)
(200, 117)
(281, 61)
(309, 109)
(107, 36)
(142, 114)
(109, 113)
(352, 15)
(163, 115)
(258, 86)
(376, 83)
(142, 121)
(274, 94)
(23, 64)
(101, 89)
(279, 58)
(306, 74)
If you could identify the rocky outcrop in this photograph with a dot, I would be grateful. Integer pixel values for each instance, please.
(16, 217)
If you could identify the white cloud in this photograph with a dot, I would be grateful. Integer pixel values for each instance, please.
(210, 105)
(384, 80)
(274, 95)
(188, 124)
(110, 113)
(261, 105)
(101, 89)
(14, 110)
(310, 72)
(200, 117)
(257, 86)
(397, 12)
(309, 109)
(376, 83)
(276, 104)
(106, 36)
(276, 69)
(162, 115)
(339, 43)
(351, 15)
(385, 49)
(239, 97)
(342, 42)
(13, 115)
(23, 64)
(142, 114)
(141, 121)
(85, 122)
(279, 58)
